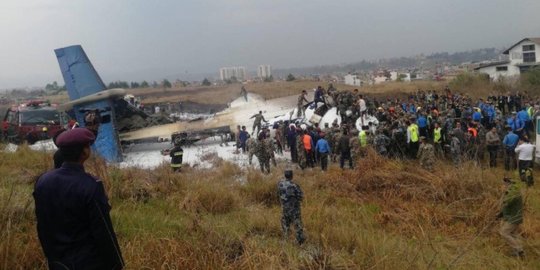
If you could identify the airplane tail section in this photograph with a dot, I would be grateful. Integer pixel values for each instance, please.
(82, 80)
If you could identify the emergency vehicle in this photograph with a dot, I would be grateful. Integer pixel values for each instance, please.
(32, 121)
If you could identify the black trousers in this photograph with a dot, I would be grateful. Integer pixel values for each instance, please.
(493, 149)
(345, 156)
(323, 158)
(509, 159)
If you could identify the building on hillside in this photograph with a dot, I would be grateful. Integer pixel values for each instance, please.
(264, 71)
(353, 79)
(227, 73)
(522, 56)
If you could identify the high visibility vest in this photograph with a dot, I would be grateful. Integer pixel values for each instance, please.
(530, 111)
(437, 135)
(363, 138)
(413, 130)
(307, 142)
(473, 131)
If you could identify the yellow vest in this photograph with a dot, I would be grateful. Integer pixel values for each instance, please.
(413, 130)
(363, 138)
(437, 135)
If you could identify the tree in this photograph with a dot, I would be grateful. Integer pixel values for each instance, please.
(135, 85)
(290, 78)
(166, 83)
(154, 84)
(144, 84)
(401, 77)
(269, 79)
(206, 82)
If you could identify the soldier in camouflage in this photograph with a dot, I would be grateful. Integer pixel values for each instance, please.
(291, 195)
(251, 145)
(302, 159)
(300, 105)
(455, 149)
(426, 154)
(262, 152)
(356, 150)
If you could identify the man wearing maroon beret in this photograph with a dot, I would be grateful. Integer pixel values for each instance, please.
(72, 210)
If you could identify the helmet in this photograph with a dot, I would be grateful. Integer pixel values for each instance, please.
(288, 174)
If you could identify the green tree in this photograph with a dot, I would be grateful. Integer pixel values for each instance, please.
(166, 83)
(531, 79)
(206, 82)
(144, 84)
(134, 85)
(290, 78)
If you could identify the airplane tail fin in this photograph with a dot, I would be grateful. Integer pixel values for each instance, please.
(80, 76)
(82, 81)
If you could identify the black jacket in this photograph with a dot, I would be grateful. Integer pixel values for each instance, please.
(73, 221)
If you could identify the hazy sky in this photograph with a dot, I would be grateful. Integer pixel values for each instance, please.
(144, 39)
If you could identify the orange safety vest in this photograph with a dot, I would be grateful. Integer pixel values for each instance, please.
(307, 141)
(473, 132)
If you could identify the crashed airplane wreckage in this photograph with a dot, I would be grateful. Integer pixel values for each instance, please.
(117, 117)
(121, 123)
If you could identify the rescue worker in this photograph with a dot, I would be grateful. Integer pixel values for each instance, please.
(176, 154)
(455, 149)
(291, 196)
(412, 138)
(344, 149)
(251, 147)
(262, 152)
(323, 150)
(354, 142)
(512, 216)
(301, 109)
(257, 122)
(73, 222)
(493, 141)
(426, 154)
(244, 93)
(437, 140)
(510, 142)
(525, 152)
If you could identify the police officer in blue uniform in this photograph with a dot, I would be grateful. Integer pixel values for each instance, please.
(72, 210)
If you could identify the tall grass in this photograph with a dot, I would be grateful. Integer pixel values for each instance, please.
(386, 214)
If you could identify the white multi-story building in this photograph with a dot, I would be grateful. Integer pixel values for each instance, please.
(264, 71)
(353, 79)
(522, 56)
(226, 73)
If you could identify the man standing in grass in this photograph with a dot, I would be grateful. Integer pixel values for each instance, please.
(291, 195)
(72, 211)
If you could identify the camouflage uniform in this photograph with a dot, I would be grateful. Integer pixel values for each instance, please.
(269, 145)
(291, 196)
(426, 155)
(263, 155)
(300, 105)
(333, 142)
(354, 142)
(381, 143)
(251, 144)
(455, 150)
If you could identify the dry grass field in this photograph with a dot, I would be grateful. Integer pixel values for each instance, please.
(385, 214)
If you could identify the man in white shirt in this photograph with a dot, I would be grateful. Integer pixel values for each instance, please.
(525, 152)
(362, 108)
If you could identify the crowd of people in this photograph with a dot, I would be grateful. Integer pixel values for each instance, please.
(422, 126)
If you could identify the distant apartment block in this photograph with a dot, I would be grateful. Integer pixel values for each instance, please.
(264, 71)
(226, 73)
